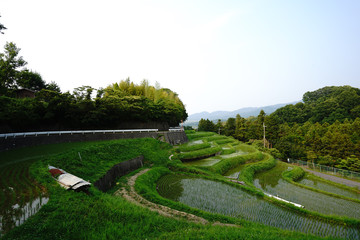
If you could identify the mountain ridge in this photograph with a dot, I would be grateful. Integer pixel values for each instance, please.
(244, 112)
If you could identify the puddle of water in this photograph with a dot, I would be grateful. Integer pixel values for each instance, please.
(238, 153)
(202, 162)
(195, 142)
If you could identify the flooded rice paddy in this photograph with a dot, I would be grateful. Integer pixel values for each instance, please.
(272, 182)
(20, 196)
(327, 187)
(221, 198)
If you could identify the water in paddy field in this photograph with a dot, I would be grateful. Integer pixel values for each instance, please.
(272, 182)
(234, 172)
(20, 196)
(216, 197)
(237, 153)
(327, 187)
(203, 162)
(195, 142)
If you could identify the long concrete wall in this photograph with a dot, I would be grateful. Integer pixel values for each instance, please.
(17, 142)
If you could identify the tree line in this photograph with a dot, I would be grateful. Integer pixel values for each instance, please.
(84, 108)
(324, 128)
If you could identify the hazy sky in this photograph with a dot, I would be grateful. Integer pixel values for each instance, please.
(217, 55)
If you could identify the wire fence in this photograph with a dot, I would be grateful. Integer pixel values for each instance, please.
(327, 169)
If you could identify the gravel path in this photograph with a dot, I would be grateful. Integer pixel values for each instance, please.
(133, 197)
(334, 179)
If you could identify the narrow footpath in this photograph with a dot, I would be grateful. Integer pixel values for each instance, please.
(344, 181)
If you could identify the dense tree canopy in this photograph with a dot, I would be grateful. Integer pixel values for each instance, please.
(324, 128)
(328, 104)
(116, 104)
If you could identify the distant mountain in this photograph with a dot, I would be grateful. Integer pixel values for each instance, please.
(244, 112)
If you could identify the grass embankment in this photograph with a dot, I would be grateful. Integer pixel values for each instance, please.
(298, 173)
(199, 154)
(247, 174)
(189, 148)
(71, 215)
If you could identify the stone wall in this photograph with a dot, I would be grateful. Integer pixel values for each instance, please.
(109, 179)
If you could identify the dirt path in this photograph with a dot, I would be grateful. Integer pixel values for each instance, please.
(334, 178)
(133, 197)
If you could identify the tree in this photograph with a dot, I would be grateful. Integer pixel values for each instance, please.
(229, 127)
(53, 87)
(2, 27)
(206, 125)
(240, 128)
(30, 80)
(219, 127)
(10, 63)
(83, 93)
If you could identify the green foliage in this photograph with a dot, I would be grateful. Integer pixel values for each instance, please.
(198, 135)
(294, 174)
(247, 174)
(189, 148)
(10, 65)
(232, 162)
(206, 126)
(327, 104)
(202, 153)
(30, 80)
(230, 127)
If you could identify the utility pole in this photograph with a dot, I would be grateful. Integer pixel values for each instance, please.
(264, 132)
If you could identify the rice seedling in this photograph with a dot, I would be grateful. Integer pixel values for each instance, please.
(199, 154)
(328, 187)
(193, 147)
(221, 198)
(272, 182)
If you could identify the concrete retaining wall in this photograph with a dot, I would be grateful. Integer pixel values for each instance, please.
(117, 171)
(11, 143)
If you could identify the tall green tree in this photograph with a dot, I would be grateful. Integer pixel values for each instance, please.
(30, 80)
(206, 125)
(229, 128)
(10, 65)
(240, 132)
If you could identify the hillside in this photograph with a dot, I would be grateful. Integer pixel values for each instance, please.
(131, 209)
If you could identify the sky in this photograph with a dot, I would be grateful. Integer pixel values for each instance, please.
(217, 55)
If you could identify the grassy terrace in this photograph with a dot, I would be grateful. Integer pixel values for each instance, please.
(201, 190)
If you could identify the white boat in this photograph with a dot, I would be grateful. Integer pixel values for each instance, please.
(67, 180)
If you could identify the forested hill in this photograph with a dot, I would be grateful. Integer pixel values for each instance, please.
(324, 128)
(327, 104)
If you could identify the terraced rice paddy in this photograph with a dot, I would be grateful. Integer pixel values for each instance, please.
(203, 162)
(327, 187)
(20, 196)
(237, 153)
(221, 198)
(234, 172)
(271, 182)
